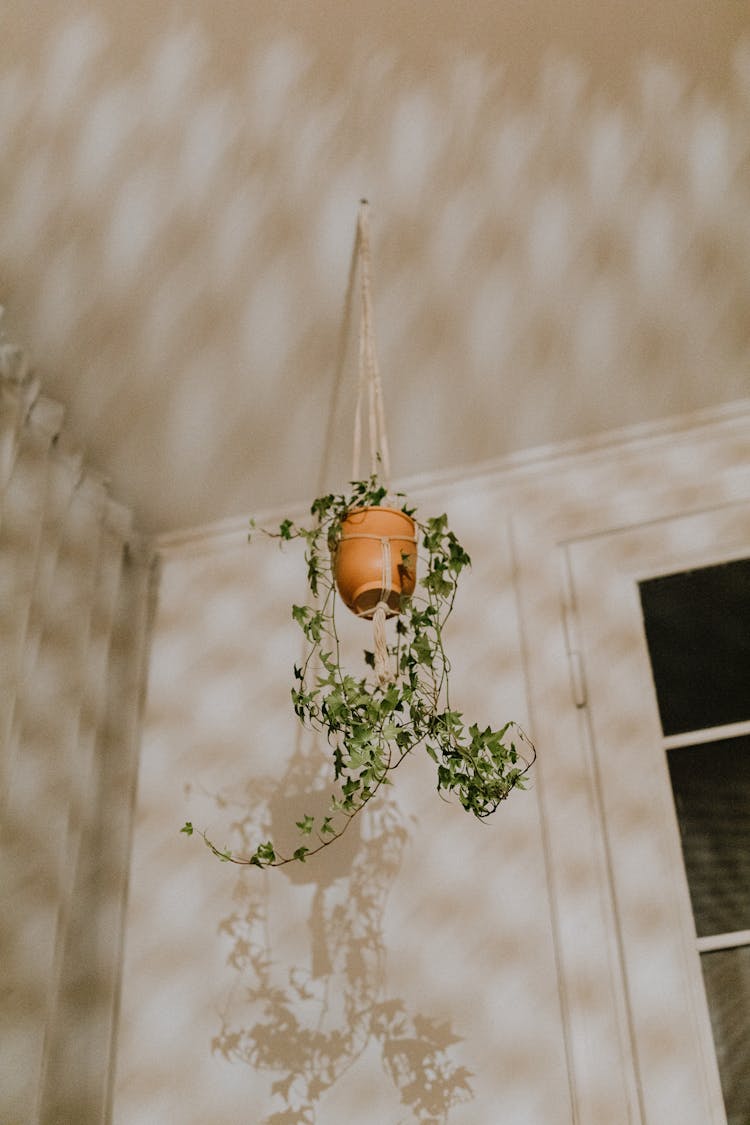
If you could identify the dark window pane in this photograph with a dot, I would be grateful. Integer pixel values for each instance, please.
(698, 631)
(727, 977)
(711, 785)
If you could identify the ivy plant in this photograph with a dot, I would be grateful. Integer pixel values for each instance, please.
(371, 728)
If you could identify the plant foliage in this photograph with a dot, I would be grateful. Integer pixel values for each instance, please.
(369, 727)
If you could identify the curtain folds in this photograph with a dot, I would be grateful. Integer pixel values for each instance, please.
(76, 586)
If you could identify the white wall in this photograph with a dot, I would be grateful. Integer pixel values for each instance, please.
(428, 939)
(427, 920)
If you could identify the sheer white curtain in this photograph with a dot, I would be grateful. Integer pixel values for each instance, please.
(75, 583)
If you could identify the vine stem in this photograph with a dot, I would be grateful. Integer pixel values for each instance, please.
(364, 722)
(280, 861)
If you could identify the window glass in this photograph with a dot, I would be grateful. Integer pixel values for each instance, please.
(711, 786)
(727, 978)
(698, 630)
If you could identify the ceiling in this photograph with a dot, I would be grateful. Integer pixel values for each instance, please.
(560, 199)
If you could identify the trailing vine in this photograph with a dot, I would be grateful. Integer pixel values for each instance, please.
(371, 728)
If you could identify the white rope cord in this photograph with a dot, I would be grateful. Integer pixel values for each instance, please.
(369, 372)
(367, 535)
(369, 380)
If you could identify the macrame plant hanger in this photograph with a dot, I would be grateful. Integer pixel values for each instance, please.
(371, 388)
(369, 373)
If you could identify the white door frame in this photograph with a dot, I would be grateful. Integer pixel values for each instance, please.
(666, 998)
(616, 491)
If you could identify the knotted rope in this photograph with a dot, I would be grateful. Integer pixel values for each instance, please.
(383, 669)
(379, 637)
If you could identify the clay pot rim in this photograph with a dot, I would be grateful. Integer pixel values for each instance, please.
(380, 508)
(408, 535)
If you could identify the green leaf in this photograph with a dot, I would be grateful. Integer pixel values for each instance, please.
(358, 757)
(187, 828)
(300, 854)
(366, 723)
(300, 613)
(265, 852)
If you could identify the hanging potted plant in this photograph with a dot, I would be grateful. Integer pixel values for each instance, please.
(368, 548)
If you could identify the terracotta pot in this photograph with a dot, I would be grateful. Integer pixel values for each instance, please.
(376, 559)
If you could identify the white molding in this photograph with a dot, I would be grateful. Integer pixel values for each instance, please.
(509, 469)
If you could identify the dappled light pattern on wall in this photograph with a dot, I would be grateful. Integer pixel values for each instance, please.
(308, 1023)
(75, 580)
(175, 237)
(404, 974)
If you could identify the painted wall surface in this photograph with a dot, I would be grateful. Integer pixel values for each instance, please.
(427, 968)
(408, 974)
(560, 204)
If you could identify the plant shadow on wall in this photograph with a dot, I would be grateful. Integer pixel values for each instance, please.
(308, 1023)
